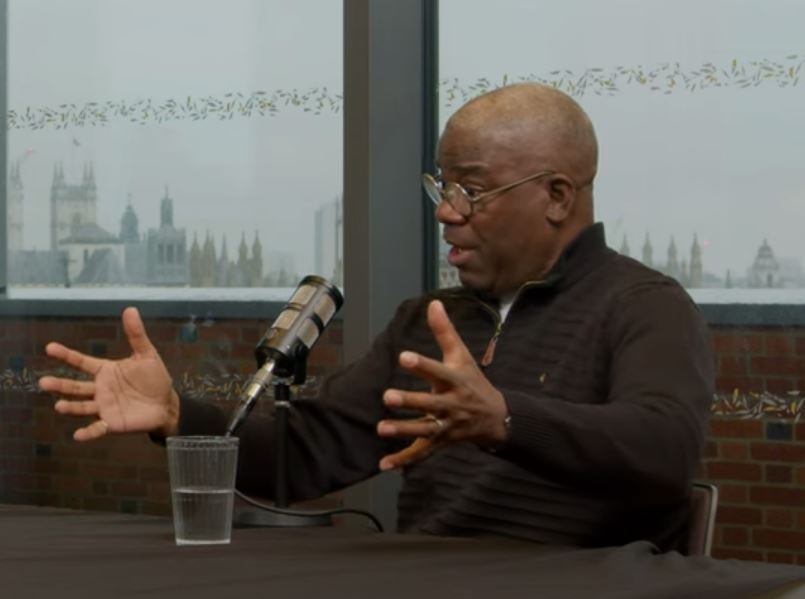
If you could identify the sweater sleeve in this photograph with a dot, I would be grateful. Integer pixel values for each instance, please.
(644, 442)
(332, 440)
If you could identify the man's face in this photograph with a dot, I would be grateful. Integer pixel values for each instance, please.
(508, 240)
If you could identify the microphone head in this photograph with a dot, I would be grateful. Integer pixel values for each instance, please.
(310, 309)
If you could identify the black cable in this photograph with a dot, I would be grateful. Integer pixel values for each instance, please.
(290, 512)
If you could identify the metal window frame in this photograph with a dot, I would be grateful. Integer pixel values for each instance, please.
(389, 233)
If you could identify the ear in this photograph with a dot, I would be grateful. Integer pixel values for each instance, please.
(561, 198)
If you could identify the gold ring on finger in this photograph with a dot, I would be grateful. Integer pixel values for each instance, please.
(440, 425)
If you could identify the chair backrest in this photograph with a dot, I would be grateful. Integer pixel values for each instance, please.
(704, 503)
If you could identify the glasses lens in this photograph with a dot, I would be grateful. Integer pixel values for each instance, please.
(432, 188)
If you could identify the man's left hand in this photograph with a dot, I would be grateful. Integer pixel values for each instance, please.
(462, 404)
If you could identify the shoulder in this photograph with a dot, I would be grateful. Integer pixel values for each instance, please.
(628, 279)
(642, 297)
(450, 297)
(459, 302)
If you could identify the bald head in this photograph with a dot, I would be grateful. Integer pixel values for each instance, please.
(541, 121)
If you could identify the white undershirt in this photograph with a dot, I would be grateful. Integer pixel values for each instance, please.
(505, 306)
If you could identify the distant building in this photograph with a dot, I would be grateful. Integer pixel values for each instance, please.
(71, 206)
(38, 268)
(167, 249)
(29, 267)
(281, 270)
(129, 225)
(328, 239)
(14, 214)
(689, 273)
(672, 266)
(135, 250)
(768, 270)
(696, 272)
(648, 253)
(448, 275)
(256, 263)
(82, 252)
(85, 241)
(764, 272)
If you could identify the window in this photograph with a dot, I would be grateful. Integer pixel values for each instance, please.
(700, 114)
(180, 146)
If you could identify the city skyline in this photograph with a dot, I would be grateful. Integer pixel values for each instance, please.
(779, 271)
(718, 159)
(84, 251)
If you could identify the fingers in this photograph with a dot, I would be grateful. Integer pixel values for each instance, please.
(454, 351)
(93, 431)
(420, 401)
(62, 386)
(76, 408)
(445, 333)
(433, 370)
(135, 332)
(428, 426)
(73, 358)
(418, 450)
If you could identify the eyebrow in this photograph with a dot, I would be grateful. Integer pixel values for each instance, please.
(472, 168)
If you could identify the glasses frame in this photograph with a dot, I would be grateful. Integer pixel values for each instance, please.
(438, 191)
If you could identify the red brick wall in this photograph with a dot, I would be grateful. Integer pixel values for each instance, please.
(756, 447)
(755, 451)
(759, 467)
(39, 461)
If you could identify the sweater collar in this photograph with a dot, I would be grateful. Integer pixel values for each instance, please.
(581, 256)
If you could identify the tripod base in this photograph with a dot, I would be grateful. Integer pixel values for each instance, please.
(256, 518)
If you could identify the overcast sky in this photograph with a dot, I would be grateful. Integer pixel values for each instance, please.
(233, 176)
(725, 163)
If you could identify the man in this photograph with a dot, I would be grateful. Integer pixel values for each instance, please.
(560, 395)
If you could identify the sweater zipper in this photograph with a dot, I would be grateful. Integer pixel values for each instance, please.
(489, 352)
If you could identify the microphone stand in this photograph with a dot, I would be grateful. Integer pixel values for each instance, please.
(251, 517)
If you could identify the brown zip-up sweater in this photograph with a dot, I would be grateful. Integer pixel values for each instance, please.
(607, 371)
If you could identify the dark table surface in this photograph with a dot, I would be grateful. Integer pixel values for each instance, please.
(52, 553)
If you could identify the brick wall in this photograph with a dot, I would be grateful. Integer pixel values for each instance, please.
(755, 451)
(41, 464)
(759, 467)
(756, 447)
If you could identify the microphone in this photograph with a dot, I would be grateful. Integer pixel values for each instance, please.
(283, 349)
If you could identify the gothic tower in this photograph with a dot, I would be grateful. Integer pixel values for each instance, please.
(696, 268)
(167, 249)
(129, 225)
(15, 209)
(256, 270)
(624, 251)
(208, 262)
(222, 268)
(71, 205)
(672, 268)
(648, 252)
(195, 263)
(166, 210)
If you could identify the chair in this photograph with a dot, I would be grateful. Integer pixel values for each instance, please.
(704, 503)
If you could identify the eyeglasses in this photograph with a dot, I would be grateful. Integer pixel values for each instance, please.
(463, 201)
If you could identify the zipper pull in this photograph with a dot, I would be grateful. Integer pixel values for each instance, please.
(489, 353)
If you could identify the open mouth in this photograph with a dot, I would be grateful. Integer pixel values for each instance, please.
(457, 255)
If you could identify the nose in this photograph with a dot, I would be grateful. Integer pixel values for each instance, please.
(447, 215)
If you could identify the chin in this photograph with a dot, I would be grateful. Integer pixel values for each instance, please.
(474, 283)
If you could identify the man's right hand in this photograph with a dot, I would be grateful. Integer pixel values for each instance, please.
(133, 394)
